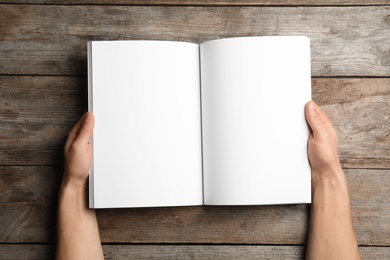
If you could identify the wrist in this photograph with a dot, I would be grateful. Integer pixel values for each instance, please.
(330, 182)
(73, 199)
(328, 174)
(74, 189)
(73, 181)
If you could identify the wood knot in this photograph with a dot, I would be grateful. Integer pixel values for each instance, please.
(388, 19)
(385, 61)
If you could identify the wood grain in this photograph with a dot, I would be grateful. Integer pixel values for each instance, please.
(41, 252)
(29, 195)
(37, 112)
(36, 115)
(51, 40)
(360, 112)
(27, 252)
(30, 185)
(43, 93)
(208, 2)
(222, 252)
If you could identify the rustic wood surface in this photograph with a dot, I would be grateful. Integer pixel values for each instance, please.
(51, 40)
(40, 110)
(43, 91)
(28, 214)
(168, 252)
(208, 2)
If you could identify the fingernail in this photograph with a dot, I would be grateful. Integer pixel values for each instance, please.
(312, 105)
(87, 116)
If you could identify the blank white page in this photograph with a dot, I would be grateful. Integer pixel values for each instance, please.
(145, 96)
(254, 91)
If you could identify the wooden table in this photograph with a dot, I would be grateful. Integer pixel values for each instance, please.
(43, 91)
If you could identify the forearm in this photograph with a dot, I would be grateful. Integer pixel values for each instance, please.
(78, 234)
(331, 234)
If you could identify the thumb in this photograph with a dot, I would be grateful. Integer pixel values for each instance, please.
(318, 121)
(86, 129)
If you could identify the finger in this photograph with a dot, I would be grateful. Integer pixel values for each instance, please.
(85, 131)
(318, 121)
(74, 132)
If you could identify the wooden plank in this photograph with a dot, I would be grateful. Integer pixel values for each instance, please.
(51, 40)
(360, 111)
(28, 203)
(41, 252)
(27, 223)
(23, 223)
(222, 252)
(29, 195)
(37, 114)
(27, 252)
(370, 205)
(39, 111)
(30, 185)
(207, 2)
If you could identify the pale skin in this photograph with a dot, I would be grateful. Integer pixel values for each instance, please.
(77, 228)
(331, 233)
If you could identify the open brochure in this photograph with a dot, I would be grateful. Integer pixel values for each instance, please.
(220, 123)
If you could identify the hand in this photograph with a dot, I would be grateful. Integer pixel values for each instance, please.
(322, 146)
(77, 227)
(331, 232)
(78, 152)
